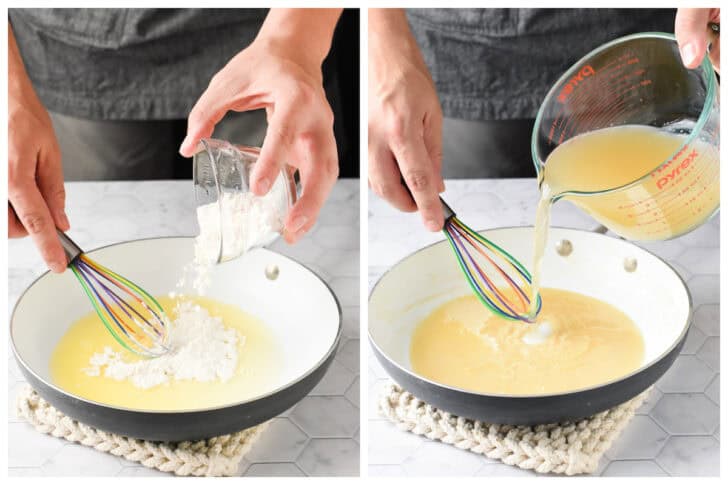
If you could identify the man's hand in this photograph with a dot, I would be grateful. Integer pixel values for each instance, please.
(405, 120)
(36, 197)
(281, 72)
(693, 36)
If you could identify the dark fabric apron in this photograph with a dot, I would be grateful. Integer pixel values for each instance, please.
(128, 64)
(153, 64)
(491, 64)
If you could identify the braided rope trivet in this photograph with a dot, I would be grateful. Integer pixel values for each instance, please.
(566, 448)
(219, 456)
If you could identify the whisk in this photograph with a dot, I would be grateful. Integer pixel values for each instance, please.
(496, 277)
(133, 317)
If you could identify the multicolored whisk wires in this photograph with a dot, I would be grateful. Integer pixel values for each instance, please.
(133, 317)
(497, 278)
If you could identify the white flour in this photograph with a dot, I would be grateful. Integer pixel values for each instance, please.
(247, 221)
(243, 220)
(202, 347)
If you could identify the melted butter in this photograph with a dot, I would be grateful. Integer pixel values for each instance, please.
(587, 342)
(257, 371)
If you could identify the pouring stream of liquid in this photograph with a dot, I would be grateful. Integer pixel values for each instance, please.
(540, 235)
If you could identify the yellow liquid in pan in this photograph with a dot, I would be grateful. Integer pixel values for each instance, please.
(257, 372)
(463, 344)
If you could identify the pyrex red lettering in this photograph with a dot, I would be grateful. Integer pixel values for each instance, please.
(662, 181)
(568, 88)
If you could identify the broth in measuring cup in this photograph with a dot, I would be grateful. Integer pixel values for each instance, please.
(660, 201)
(631, 136)
(657, 204)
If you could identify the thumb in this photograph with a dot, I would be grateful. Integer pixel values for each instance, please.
(691, 31)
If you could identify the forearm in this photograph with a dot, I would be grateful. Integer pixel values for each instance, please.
(17, 77)
(308, 30)
(388, 28)
(393, 50)
(19, 85)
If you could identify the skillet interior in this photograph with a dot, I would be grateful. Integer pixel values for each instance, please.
(654, 296)
(297, 307)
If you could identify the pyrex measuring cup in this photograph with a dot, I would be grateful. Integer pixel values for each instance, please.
(640, 80)
(227, 210)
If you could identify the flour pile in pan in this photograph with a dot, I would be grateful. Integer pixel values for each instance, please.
(203, 349)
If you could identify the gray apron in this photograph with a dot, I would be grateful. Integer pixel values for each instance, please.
(119, 83)
(496, 64)
(493, 67)
(128, 64)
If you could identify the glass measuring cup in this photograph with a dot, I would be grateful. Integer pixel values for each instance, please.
(640, 80)
(232, 219)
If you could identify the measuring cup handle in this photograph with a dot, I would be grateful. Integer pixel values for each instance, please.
(71, 248)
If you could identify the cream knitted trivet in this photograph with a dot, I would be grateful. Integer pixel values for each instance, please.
(219, 456)
(566, 448)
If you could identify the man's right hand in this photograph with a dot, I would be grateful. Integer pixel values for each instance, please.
(405, 120)
(36, 197)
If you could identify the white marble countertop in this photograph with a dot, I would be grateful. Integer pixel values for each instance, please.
(318, 436)
(675, 433)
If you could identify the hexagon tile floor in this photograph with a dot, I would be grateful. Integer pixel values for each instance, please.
(318, 436)
(676, 432)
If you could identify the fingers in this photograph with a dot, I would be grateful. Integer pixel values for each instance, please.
(419, 173)
(386, 180)
(318, 176)
(692, 33)
(205, 114)
(50, 183)
(433, 143)
(36, 218)
(15, 228)
(277, 145)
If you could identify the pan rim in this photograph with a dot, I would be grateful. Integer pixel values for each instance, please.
(109, 407)
(642, 368)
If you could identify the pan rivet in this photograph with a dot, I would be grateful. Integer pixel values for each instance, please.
(564, 247)
(630, 265)
(272, 271)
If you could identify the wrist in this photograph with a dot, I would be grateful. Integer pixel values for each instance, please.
(390, 35)
(20, 88)
(389, 24)
(21, 94)
(291, 50)
(301, 34)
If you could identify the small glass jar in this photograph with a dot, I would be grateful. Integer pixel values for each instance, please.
(232, 219)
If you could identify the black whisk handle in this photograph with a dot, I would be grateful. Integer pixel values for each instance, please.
(71, 248)
(447, 211)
